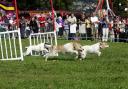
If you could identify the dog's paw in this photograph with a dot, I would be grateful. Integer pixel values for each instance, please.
(99, 54)
(24, 54)
(80, 59)
(76, 57)
(46, 59)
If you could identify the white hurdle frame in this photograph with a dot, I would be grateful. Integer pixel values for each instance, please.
(8, 53)
(42, 38)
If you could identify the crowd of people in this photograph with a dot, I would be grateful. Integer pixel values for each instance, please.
(71, 26)
(85, 27)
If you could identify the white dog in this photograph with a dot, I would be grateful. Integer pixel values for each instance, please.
(72, 47)
(95, 48)
(38, 48)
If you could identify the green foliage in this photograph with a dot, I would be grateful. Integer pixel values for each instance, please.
(62, 4)
(119, 7)
(58, 4)
(109, 71)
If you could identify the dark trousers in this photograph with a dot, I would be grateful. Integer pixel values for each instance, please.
(22, 32)
(122, 37)
(116, 34)
(60, 33)
(89, 33)
(100, 33)
(35, 30)
(83, 36)
(28, 33)
(72, 36)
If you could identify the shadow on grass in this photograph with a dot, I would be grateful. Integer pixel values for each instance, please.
(64, 57)
(67, 57)
(61, 58)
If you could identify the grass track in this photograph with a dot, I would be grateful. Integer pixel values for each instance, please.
(110, 71)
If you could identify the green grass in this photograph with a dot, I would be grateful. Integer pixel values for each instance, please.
(110, 71)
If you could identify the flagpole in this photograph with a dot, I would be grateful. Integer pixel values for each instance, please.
(17, 17)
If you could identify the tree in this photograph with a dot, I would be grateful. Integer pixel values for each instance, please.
(119, 7)
(58, 4)
(44, 4)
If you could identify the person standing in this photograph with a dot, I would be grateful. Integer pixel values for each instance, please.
(66, 27)
(49, 24)
(27, 28)
(122, 35)
(60, 24)
(72, 20)
(88, 28)
(112, 37)
(105, 29)
(22, 27)
(126, 29)
(100, 29)
(34, 25)
(42, 21)
(82, 30)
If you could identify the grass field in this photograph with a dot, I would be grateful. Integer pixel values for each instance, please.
(110, 71)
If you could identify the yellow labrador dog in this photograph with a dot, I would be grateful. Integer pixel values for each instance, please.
(71, 47)
(38, 48)
(95, 48)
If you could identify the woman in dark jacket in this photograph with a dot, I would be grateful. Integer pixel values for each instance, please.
(22, 27)
(34, 26)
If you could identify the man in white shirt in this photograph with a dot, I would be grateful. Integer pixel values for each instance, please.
(72, 20)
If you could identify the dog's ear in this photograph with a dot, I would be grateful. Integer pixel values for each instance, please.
(101, 45)
(77, 46)
(80, 50)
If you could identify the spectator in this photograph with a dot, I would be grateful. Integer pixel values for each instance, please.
(126, 25)
(116, 31)
(72, 20)
(82, 29)
(95, 30)
(42, 21)
(100, 30)
(66, 27)
(88, 28)
(94, 27)
(34, 25)
(122, 34)
(126, 29)
(112, 37)
(105, 29)
(60, 23)
(27, 29)
(37, 21)
(49, 26)
(22, 27)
